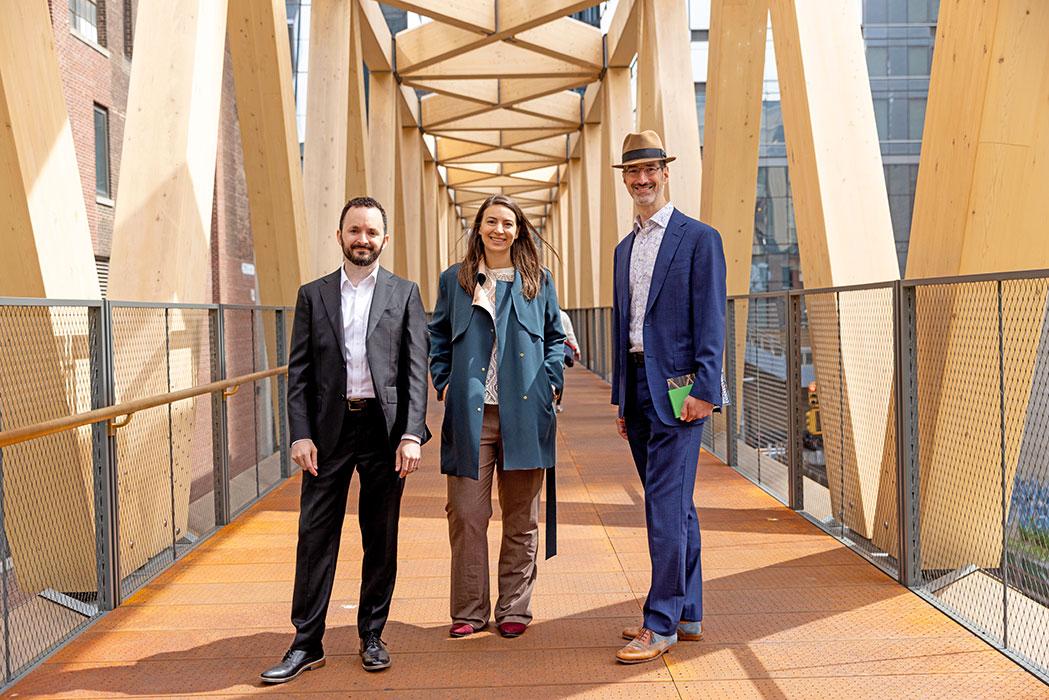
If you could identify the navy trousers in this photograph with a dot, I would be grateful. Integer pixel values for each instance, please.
(666, 459)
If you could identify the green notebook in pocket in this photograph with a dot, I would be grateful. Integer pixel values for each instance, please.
(678, 389)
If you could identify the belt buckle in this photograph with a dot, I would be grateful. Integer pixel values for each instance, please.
(356, 405)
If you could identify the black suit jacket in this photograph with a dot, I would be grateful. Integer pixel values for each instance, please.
(397, 346)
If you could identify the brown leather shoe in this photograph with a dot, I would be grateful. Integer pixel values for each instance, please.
(686, 631)
(647, 646)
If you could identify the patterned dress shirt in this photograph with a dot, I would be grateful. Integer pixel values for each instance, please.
(647, 237)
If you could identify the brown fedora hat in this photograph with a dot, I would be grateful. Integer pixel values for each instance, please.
(645, 147)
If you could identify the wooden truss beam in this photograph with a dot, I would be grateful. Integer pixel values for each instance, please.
(564, 38)
(496, 61)
(504, 120)
(474, 15)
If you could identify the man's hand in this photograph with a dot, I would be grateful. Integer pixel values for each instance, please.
(304, 454)
(409, 453)
(621, 427)
(695, 409)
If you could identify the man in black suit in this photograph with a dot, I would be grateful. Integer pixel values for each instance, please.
(356, 400)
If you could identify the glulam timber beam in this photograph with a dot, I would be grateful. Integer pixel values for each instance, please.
(266, 112)
(496, 61)
(845, 237)
(48, 250)
(337, 161)
(376, 40)
(47, 253)
(616, 207)
(981, 203)
(564, 38)
(665, 94)
(476, 15)
(622, 34)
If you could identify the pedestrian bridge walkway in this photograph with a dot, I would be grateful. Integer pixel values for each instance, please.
(790, 612)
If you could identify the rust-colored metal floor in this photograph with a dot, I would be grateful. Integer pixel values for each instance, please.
(789, 611)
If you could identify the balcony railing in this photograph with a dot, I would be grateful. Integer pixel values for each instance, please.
(127, 436)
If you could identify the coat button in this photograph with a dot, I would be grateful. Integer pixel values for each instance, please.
(525, 397)
(478, 409)
(483, 370)
(522, 354)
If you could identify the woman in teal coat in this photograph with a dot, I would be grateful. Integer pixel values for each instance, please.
(496, 356)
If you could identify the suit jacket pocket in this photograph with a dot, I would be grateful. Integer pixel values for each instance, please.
(391, 395)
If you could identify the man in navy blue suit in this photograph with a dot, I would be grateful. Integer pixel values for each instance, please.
(668, 322)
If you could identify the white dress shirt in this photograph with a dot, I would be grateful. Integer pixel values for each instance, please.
(356, 307)
(648, 235)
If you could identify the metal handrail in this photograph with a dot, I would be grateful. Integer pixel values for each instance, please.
(129, 408)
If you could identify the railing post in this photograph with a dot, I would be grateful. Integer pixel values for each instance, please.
(731, 410)
(795, 407)
(104, 458)
(219, 437)
(282, 394)
(907, 435)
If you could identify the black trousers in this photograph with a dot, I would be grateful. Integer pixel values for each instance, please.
(362, 446)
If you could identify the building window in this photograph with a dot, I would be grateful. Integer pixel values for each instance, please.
(102, 184)
(87, 18)
(102, 268)
(129, 28)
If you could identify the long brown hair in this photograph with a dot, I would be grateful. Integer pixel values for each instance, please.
(524, 252)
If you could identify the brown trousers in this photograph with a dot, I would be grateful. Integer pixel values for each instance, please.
(469, 510)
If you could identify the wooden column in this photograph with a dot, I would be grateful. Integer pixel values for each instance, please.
(845, 237)
(981, 204)
(161, 253)
(443, 205)
(573, 251)
(47, 241)
(383, 136)
(564, 237)
(735, 80)
(589, 250)
(429, 235)
(336, 150)
(616, 206)
(666, 101)
(162, 227)
(406, 237)
(47, 252)
(266, 109)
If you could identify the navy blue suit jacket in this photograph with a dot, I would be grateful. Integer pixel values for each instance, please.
(684, 329)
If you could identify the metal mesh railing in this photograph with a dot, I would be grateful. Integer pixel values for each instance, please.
(908, 419)
(48, 546)
(90, 513)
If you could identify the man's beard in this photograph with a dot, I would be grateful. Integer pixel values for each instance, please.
(353, 254)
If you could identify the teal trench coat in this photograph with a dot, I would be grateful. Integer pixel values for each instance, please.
(530, 361)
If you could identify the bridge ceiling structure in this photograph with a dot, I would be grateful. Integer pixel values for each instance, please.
(501, 98)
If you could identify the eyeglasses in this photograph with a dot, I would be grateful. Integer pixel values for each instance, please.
(635, 170)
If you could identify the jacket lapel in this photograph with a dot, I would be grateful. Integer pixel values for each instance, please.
(623, 275)
(667, 249)
(331, 297)
(380, 298)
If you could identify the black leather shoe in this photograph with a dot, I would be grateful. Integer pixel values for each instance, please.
(292, 665)
(374, 656)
